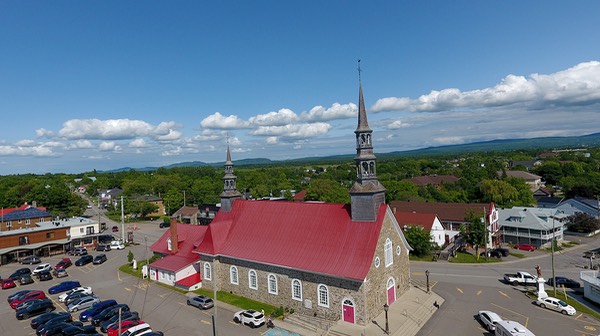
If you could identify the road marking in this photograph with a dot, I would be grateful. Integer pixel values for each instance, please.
(459, 290)
(479, 292)
(514, 312)
(591, 328)
(205, 322)
(163, 295)
(504, 294)
(583, 333)
(127, 289)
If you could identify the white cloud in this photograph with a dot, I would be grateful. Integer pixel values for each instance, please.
(112, 129)
(107, 146)
(42, 132)
(210, 135)
(336, 111)
(273, 140)
(172, 135)
(173, 152)
(82, 144)
(138, 143)
(281, 117)
(396, 124)
(297, 131)
(26, 143)
(40, 150)
(219, 121)
(574, 86)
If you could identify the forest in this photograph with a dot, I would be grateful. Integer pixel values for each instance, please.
(569, 173)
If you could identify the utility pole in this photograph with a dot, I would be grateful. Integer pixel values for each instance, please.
(122, 221)
(553, 241)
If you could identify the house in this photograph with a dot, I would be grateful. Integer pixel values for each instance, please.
(429, 222)
(26, 216)
(156, 200)
(591, 285)
(529, 164)
(332, 261)
(435, 180)
(579, 204)
(533, 181)
(453, 215)
(528, 225)
(187, 215)
(109, 197)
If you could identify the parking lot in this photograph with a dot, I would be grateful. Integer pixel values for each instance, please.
(163, 308)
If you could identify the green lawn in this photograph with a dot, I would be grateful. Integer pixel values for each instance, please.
(468, 258)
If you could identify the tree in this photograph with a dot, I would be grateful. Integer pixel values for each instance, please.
(419, 239)
(582, 222)
(474, 231)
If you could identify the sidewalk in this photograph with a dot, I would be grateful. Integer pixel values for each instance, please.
(406, 316)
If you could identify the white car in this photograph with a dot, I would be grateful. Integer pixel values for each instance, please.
(556, 304)
(252, 318)
(488, 319)
(41, 268)
(139, 329)
(62, 297)
(116, 245)
(82, 303)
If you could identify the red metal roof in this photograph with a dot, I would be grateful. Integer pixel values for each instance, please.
(189, 237)
(175, 263)
(316, 237)
(189, 281)
(412, 218)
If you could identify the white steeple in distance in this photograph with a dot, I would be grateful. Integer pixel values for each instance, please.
(230, 193)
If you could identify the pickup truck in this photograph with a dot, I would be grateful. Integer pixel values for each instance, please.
(520, 278)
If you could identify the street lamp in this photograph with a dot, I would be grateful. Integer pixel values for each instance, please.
(427, 276)
(387, 326)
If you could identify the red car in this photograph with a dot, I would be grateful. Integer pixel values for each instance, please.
(66, 262)
(8, 283)
(114, 330)
(28, 296)
(525, 247)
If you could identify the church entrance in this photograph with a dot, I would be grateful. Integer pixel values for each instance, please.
(391, 291)
(348, 311)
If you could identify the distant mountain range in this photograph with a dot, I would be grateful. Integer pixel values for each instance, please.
(549, 143)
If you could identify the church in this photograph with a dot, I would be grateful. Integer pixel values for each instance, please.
(332, 261)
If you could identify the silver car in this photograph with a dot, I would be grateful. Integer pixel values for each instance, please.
(82, 303)
(201, 301)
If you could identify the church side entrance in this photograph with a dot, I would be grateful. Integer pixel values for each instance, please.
(348, 310)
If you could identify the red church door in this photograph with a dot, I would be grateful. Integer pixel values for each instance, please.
(348, 309)
(391, 292)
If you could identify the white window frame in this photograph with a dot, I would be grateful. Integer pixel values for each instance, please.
(207, 271)
(273, 287)
(323, 295)
(388, 253)
(252, 279)
(296, 290)
(27, 221)
(233, 275)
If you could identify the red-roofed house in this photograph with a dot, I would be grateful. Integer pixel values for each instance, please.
(429, 222)
(334, 261)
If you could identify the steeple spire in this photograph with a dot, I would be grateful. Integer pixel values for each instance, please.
(230, 193)
(367, 193)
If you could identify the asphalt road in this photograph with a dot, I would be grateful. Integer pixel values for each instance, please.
(470, 288)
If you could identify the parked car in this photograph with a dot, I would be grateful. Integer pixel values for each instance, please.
(108, 313)
(78, 251)
(201, 301)
(252, 318)
(117, 245)
(113, 330)
(83, 289)
(74, 297)
(556, 304)
(564, 282)
(57, 328)
(525, 247)
(62, 317)
(42, 306)
(82, 303)
(63, 287)
(115, 229)
(64, 263)
(37, 294)
(24, 304)
(84, 260)
(26, 280)
(128, 316)
(99, 259)
(44, 276)
(103, 247)
(60, 273)
(45, 318)
(16, 295)
(164, 225)
(139, 329)
(31, 260)
(96, 309)
(8, 283)
(502, 251)
(77, 330)
(16, 275)
(491, 254)
(488, 319)
(41, 268)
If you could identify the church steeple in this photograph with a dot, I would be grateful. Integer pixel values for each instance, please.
(367, 193)
(230, 193)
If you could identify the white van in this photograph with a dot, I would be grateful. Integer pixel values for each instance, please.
(116, 245)
(511, 328)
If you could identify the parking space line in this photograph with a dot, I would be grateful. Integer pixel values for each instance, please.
(583, 333)
(459, 290)
(504, 294)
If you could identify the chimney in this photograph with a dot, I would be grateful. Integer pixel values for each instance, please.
(173, 230)
(394, 210)
(34, 204)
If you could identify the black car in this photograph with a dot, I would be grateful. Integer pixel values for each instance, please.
(563, 281)
(34, 309)
(503, 251)
(25, 280)
(42, 319)
(53, 321)
(31, 260)
(164, 225)
(103, 247)
(125, 316)
(17, 295)
(100, 258)
(84, 260)
(79, 330)
(108, 313)
(56, 329)
(19, 273)
(44, 276)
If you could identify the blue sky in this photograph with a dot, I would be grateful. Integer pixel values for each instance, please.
(109, 84)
